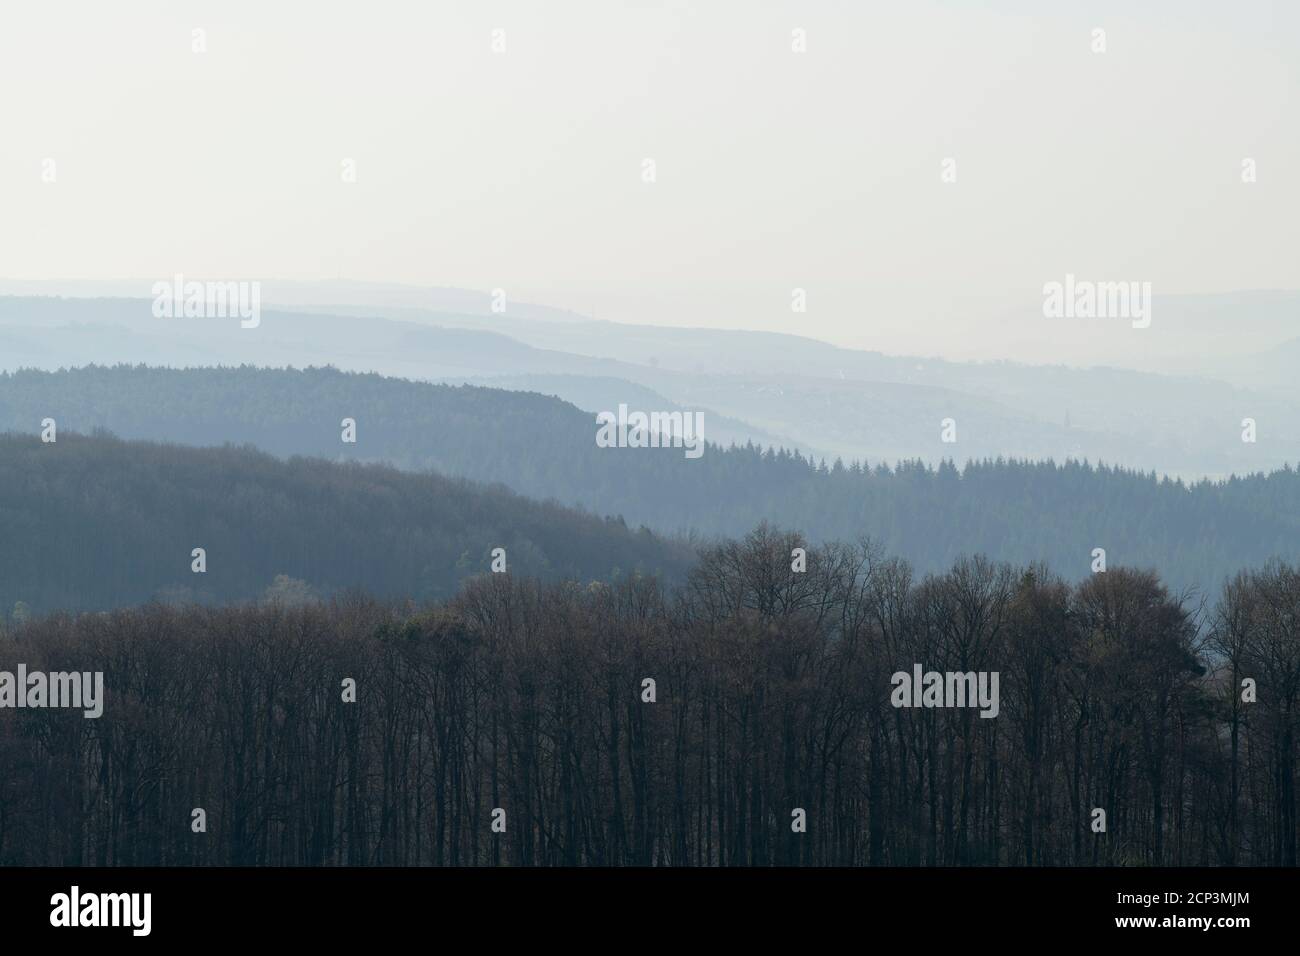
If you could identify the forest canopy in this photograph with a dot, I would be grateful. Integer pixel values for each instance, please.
(361, 732)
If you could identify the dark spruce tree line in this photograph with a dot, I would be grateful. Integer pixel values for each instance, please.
(771, 694)
(1198, 534)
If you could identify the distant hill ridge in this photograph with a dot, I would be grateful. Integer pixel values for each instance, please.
(94, 522)
(545, 448)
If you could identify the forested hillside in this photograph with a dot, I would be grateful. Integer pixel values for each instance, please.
(528, 706)
(94, 522)
(1193, 534)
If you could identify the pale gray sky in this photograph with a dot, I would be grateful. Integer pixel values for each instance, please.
(775, 170)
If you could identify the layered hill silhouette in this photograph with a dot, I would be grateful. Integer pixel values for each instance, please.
(781, 389)
(544, 448)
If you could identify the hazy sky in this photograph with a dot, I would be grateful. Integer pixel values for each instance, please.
(774, 169)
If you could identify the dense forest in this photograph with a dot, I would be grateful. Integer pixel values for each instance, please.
(88, 523)
(526, 705)
(1196, 535)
